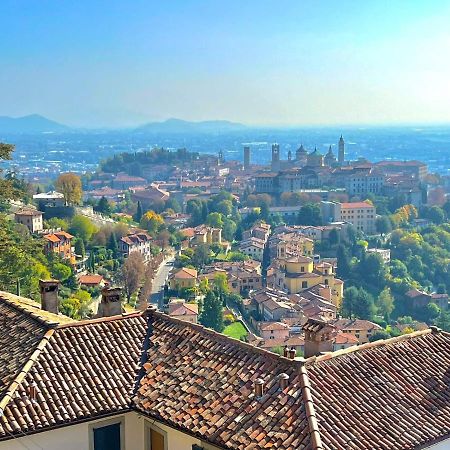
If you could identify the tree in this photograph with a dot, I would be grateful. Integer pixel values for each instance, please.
(383, 225)
(132, 273)
(61, 271)
(334, 237)
(310, 214)
(385, 303)
(398, 269)
(349, 302)
(69, 184)
(139, 213)
(201, 255)
(229, 229)
(211, 315)
(152, 221)
(364, 307)
(56, 222)
(80, 248)
(344, 266)
(103, 206)
(225, 207)
(436, 215)
(113, 245)
(214, 220)
(82, 228)
(372, 269)
(379, 335)
(221, 285)
(7, 189)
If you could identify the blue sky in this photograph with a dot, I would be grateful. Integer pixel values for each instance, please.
(112, 63)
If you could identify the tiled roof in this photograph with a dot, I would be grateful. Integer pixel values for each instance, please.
(356, 205)
(383, 395)
(355, 324)
(86, 369)
(185, 272)
(202, 382)
(391, 394)
(90, 279)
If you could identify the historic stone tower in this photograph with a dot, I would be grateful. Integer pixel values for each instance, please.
(247, 157)
(341, 154)
(275, 157)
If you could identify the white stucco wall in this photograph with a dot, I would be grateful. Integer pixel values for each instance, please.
(76, 437)
(444, 445)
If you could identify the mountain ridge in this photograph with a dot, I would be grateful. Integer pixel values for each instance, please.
(174, 125)
(32, 123)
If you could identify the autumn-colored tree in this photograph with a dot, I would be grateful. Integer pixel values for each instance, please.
(69, 184)
(132, 273)
(151, 221)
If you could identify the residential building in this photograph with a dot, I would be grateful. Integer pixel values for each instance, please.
(416, 169)
(31, 218)
(361, 215)
(360, 329)
(155, 382)
(273, 331)
(60, 243)
(183, 278)
(92, 281)
(253, 247)
(52, 199)
(299, 273)
(179, 309)
(344, 340)
(124, 181)
(420, 299)
(139, 241)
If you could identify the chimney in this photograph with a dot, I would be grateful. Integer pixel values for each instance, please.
(325, 292)
(111, 303)
(319, 337)
(292, 353)
(286, 351)
(283, 379)
(49, 295)
(259, 388)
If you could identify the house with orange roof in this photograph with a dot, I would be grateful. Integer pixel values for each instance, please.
(183, 278)
(91, 280)
(60, 243)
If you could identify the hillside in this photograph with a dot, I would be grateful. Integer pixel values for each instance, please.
(183, 126)
(33, 123)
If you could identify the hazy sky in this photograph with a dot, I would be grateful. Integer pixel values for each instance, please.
(111, 62)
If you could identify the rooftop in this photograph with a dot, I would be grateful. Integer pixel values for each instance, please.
(384, 395)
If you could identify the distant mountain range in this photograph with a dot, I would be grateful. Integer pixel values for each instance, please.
(33, 123)
(183, 126)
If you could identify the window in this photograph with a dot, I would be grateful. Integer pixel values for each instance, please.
(107, 435)
(155, 438)
(304, 284)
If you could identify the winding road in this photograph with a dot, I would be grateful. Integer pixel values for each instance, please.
(159, 281)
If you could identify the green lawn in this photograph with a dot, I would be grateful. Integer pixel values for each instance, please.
(235, 330)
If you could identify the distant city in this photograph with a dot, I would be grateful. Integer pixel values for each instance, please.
(44, 155)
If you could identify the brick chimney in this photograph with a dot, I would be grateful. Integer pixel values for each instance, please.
(49, 295)
(325, 292)
(259, 387)
(111, 303)
(319, 337)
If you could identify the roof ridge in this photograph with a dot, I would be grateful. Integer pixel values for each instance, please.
(25, 370)
(220, 336)
(19, 307)
(117, 317)
(308, 401)
(368, 345)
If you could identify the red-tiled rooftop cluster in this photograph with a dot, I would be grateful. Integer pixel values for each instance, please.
(383, 395)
